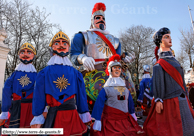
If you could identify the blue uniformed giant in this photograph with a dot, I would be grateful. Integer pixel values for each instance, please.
(18, 91)
(61, 86)
(144, 86)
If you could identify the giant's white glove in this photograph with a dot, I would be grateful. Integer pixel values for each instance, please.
(88, 63)
(130, 58)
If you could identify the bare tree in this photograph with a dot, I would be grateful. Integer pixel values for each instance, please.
(25, 24)
(183, 59)
(138, 39)
(187, 44)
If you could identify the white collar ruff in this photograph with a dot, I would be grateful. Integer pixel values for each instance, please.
(114, 81)
(99, 30)
(25, 67)
(59, 60)
(146, 76)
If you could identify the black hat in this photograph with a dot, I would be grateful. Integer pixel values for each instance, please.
(159, 34)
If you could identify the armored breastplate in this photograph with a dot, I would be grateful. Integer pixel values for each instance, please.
(117, 97)
(96, 47)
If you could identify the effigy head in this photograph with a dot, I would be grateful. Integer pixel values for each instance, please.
(60, 44)
(98, 16)
(114, 67)
(27, 53)
(162, 36)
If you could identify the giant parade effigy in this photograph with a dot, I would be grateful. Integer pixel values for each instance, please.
(92, 48)
(171, 113)
(60, 86)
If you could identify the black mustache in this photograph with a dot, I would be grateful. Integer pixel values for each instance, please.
(25, 57)
(61, 48)
(101, 22)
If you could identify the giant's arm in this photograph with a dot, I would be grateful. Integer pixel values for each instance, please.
(6, 97)
(158, 83)
(98, 109)
(151, 87)
(81, 99)
(131, 107)
(118, 50)
(141, 89)
(39, 100)
(77, 47)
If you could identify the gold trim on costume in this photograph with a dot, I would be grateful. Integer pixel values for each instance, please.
(61, 83)
(120, 89)
(103, 47)
(24, 80)
(80, 133)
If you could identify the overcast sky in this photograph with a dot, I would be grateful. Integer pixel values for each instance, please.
(75, 15)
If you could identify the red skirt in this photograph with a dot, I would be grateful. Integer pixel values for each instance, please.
(117, 123)
(25, 116)
(71, 123)
(167, 123)
(25, 113)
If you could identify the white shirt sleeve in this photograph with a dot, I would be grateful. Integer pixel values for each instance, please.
(37, 120)
(85, 117)
(4, 115)
(97, 125)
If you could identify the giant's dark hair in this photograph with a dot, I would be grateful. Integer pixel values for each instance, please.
(158, 35)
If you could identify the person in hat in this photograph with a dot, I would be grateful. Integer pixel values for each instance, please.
(91, 48)
(171, 113)
(114, 110)
(61, 87)
(144, 97)
(18, 91)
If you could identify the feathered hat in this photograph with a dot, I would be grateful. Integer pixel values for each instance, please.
(28, 46)
(113, 61)
(60, 35)
(98, 9)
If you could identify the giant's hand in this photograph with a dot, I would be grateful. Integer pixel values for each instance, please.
(36, 126)
(159, 107)
(88, 63)
(2, 122)
(130, 58)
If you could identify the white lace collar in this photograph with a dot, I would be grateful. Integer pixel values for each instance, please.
(25, 67)
(102, 31)
(114, 81)
(146, 76)
(59, 60)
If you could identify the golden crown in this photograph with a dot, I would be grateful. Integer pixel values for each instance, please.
(60, 35)
(28, 46)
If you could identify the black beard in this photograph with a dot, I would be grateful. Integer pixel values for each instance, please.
(26, 61)
(101, 26)
(62, 54)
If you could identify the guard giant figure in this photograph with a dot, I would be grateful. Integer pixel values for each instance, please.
(90, 49)
(171, 113)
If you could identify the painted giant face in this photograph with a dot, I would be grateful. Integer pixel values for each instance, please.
(116, 71)
(166, 41)
(60, 47)
(26, 56)
(99, 22)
